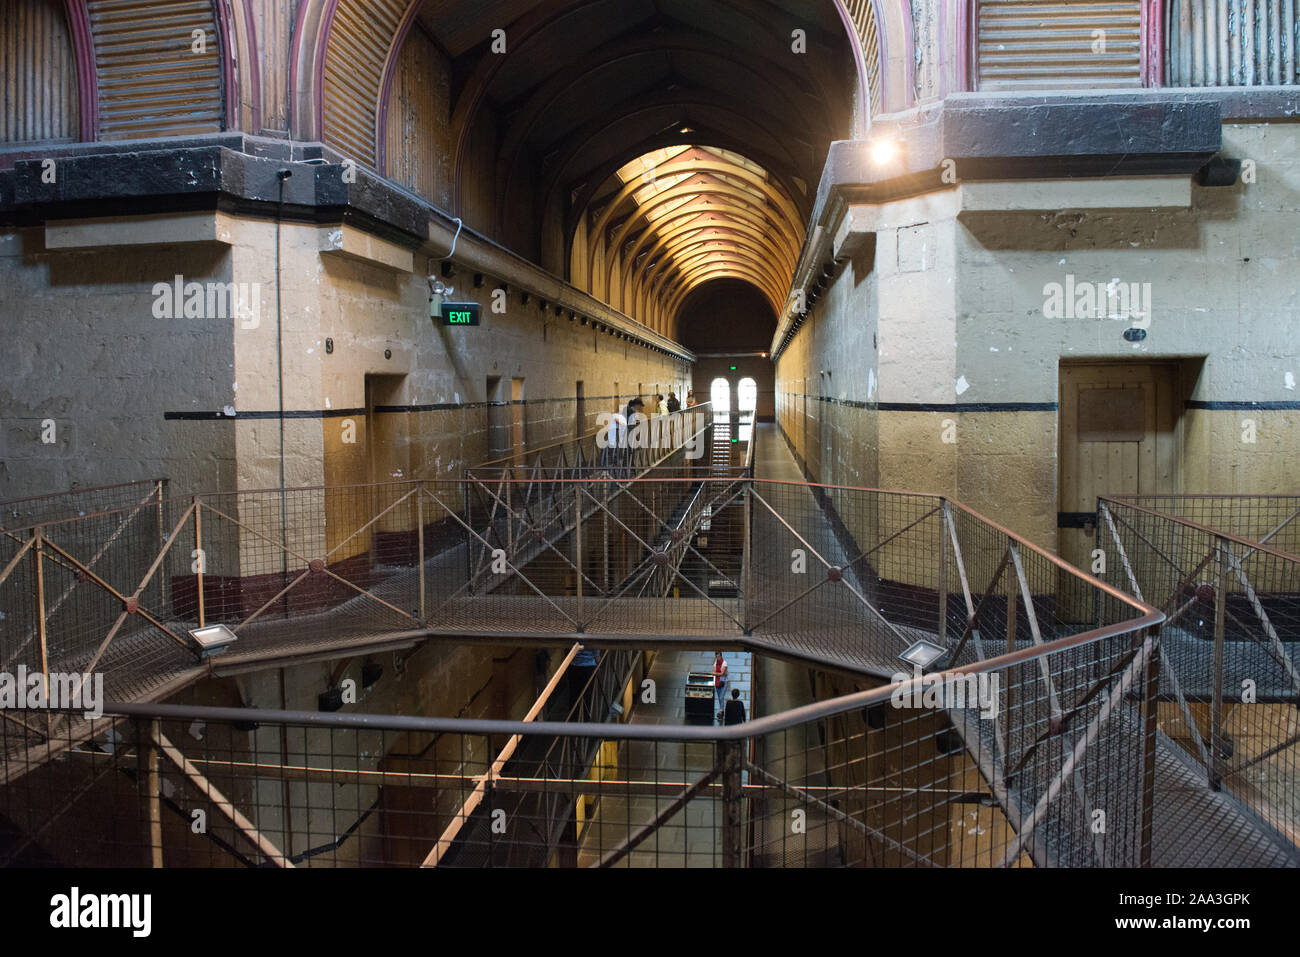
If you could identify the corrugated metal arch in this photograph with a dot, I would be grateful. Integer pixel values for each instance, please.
(153, 76)
(39, 101)
(1050, 44)
(242, 65)
(361, 39)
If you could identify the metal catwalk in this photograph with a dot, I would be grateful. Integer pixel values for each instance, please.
(1074, 768)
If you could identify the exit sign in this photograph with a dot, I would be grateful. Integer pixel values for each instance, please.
(460, 313)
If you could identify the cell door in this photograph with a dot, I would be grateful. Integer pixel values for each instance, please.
(1118, 435)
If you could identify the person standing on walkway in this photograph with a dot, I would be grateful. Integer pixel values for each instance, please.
(674, 403)
(719, 680)
(734, 712)
(615, 441)
(632, 415)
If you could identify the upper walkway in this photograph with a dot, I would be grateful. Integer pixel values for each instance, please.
(727, 550)
(678, 551)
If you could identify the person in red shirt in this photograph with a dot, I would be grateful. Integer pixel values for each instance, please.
(719, 681)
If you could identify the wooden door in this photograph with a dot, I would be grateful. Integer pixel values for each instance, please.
(1118, 434)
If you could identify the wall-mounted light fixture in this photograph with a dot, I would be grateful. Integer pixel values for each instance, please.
(438, 291)
(884, 151)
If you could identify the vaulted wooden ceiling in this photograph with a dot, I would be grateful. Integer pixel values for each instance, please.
(584, 88)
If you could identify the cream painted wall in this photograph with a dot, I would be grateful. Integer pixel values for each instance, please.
(87, 351)
(957, 299)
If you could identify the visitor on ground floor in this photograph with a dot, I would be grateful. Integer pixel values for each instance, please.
(734, 712)
(719, 681)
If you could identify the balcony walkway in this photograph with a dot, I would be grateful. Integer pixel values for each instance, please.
(683, 559)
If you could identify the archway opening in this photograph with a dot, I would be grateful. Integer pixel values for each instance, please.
(746, 404)
(720, 395)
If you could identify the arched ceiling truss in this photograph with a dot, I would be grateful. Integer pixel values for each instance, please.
(674, 215)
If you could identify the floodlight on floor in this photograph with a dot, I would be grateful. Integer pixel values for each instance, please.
(922, 654)
(213, 639)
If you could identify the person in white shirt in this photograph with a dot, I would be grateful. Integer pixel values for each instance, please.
(719, 681)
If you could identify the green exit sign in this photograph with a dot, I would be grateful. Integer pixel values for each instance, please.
(460, 313)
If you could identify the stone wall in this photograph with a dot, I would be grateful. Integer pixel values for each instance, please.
(960, 393)
(197, 400)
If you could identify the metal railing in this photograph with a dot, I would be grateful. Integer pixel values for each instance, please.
(593, 451)
(26, 512)
(868, 779)
(852, 578)
(1230, 665)
(1272, 520)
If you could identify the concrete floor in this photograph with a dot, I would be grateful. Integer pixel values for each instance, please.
(691, 837)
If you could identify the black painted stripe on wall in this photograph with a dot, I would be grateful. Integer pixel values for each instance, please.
(967, 406)
(1212, 406)
(1245, 406)
(496, 403)
(205, 416)
(930, 406)
(288, 414)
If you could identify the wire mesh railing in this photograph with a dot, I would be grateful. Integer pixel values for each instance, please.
(1272, 520)
(870, 779)
(1230, 671)
(621, 447)
(78, 503)
(1056, 732)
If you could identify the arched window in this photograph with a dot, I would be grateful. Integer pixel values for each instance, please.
(746, 396)
(746, 403)
(720, 394)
